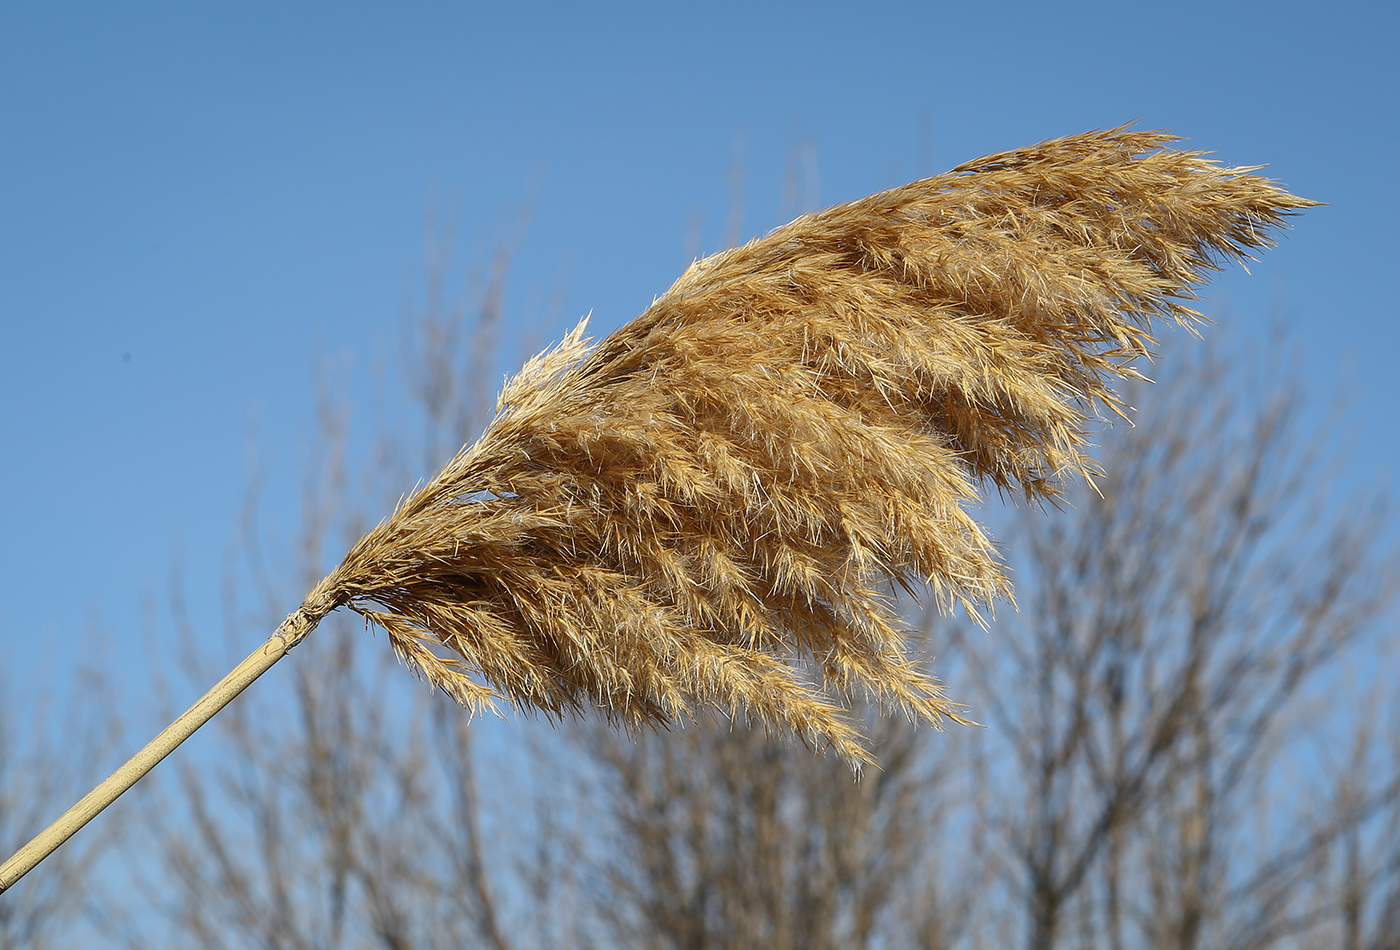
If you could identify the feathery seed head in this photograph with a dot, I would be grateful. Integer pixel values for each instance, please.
(710, 506)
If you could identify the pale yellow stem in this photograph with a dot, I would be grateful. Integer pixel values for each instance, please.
(297, 625)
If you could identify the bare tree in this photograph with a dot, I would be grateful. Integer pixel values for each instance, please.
(718, 836)
(1180, 630)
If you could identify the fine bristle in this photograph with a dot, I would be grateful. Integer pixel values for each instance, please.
(713, 506)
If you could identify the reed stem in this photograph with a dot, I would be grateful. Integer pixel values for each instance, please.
(297, 625)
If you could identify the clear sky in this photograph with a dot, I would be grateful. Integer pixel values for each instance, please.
(199, 202)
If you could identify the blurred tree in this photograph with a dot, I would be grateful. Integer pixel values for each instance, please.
(1182, 767)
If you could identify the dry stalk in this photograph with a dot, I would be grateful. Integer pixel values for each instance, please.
(710, 508)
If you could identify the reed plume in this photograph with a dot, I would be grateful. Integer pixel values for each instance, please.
(709, 507)
(713, 506)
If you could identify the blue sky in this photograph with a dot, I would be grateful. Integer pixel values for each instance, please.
(198, 203)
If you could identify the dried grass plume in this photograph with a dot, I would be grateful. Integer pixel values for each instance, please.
(709, 508)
